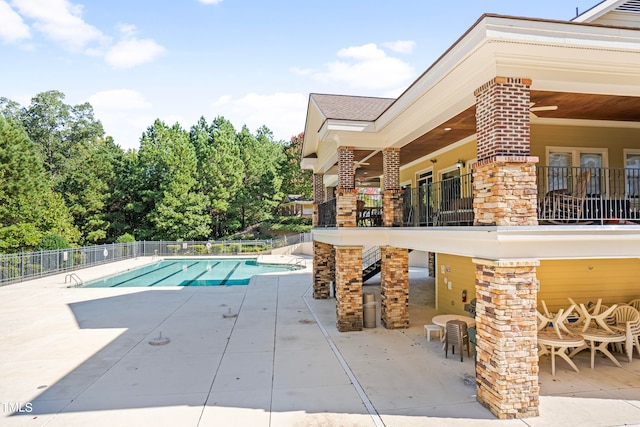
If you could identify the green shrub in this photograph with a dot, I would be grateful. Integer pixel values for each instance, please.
(173, 248)
(53, 241)
(199, 249)
(126, 238)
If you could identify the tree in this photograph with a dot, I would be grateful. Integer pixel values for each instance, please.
(86, 185)
(294, 179)
(168, 171)
(220, 168)
(260, 193)
(29, 209)
(57, 127)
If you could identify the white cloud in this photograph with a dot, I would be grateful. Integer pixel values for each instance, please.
(401, 46)
(210, 1)
(367, 52)
(367, 67)
(124, 113)
(12, 27)
(302, 71)
(61, 21)
(119, 99)
(283, 113)
(130, 51)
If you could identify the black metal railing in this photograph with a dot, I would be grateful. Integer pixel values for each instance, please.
(327, 213)
(444, 203)
(579, 195)
(369, 209)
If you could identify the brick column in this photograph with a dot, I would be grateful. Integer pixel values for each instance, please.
(317, 183)
(505, 191)
(507, 361)
(349, 288)
(322, 269)
(318, 187)
(392, 197)
(346, 193)
(394, 284)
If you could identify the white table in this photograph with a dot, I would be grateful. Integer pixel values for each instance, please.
(442, 319)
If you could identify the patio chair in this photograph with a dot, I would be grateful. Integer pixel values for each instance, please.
(555, 339)
(635, 303)
(562, 207)
(627, 321)
(456, 335)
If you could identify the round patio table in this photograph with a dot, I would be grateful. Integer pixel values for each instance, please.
(598, 340)
(442, 319)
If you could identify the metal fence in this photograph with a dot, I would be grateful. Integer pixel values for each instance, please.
(29, 265)
(584, 195)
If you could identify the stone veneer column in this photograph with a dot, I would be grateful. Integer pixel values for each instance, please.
(349, 288)
(322, 269)
(346, 193)
(394, 287)
(392, 197)
(507, 353)
(505, 191)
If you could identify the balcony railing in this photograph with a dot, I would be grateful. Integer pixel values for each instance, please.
(444, 203)
(566, 195)
(578, 195)
(327, 214)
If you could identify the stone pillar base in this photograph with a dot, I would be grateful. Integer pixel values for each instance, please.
(322, 265)
(507, 350)
(349, 288)
(394, 287)
(392, 208)
(346, 208)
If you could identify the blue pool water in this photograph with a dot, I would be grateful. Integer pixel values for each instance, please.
(191, 272)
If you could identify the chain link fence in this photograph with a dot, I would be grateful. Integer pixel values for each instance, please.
(23, 266)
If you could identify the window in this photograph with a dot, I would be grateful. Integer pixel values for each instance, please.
(566, 163)
(632, 173)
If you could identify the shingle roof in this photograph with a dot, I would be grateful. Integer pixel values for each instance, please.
(342, 107)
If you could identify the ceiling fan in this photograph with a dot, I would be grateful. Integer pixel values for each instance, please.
(533, 109)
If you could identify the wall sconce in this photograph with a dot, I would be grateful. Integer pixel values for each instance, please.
(460, 164)
(434, 160)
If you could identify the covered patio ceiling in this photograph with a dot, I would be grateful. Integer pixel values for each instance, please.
(575, 106)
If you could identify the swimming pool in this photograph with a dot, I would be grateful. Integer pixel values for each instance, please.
(191, 272)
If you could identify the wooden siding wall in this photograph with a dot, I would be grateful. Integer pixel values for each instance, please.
(614, 139)
(461, 272)
(445, 160)
(613, 280)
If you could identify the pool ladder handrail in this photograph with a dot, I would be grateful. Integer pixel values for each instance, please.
(76, 279)
(298, 262)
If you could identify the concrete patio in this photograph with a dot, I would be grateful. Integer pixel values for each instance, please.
(78, 357)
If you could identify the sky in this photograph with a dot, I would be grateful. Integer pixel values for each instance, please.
(254, 62)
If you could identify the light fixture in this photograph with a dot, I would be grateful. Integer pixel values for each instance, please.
(447, 129)
(434, 160)
(460, 164)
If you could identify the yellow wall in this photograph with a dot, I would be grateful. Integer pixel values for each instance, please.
(445, 160)
(614, 139)
(461, 272)
(613, 280)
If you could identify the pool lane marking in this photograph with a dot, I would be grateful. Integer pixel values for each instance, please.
(201, 274)
(377, 420)
(143, 274)
(171, 275)
(224, 281)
